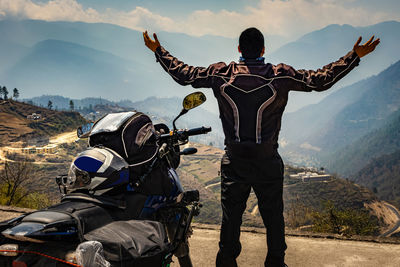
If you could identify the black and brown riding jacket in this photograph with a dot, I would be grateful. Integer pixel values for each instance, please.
(251, 94)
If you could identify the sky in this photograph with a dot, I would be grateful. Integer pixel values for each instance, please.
(287, 18)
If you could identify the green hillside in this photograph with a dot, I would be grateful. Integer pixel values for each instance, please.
(354, 157)
(14, 125)
(380, 99)
(201, 171)
(382, 175)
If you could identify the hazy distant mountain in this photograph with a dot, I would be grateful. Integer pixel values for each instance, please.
(130, 71)
(62, 103)
(346, 115)
(125, 42)
(10, 53)
(73, 69)
(352, 158)
(96, 60)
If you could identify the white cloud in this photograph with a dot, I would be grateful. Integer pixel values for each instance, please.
(290, 17)
(141, 18)
(294, 16)
(69, 10)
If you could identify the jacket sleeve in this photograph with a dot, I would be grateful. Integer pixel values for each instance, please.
(321, 79)
(185, 74)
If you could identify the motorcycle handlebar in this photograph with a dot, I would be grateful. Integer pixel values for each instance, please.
(186, 133)
(197, 131)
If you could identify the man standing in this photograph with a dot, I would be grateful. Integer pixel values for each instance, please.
(252, 96)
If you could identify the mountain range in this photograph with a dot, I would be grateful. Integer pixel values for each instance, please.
(344, 116)
(354, 132)
(344, 129)
(78, 60)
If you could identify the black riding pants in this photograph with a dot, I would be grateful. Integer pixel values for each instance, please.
(234, 196)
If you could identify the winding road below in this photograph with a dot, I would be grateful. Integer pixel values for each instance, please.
(397, 225)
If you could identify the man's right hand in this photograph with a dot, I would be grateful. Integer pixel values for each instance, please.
(365, 49)
(152, 45)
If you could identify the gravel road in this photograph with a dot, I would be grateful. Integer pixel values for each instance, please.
(302, 251)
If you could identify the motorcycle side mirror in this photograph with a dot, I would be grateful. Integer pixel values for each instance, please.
(83, 131)
(191, 101)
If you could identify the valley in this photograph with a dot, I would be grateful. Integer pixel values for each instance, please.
(350, 131)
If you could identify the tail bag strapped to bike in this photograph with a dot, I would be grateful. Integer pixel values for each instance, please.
(133, 243)
(130, 134)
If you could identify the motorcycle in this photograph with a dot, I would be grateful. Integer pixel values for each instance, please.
(111, 212)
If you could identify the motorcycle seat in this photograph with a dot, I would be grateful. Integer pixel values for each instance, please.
(47, 217)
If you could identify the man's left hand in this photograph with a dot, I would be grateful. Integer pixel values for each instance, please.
(365, 49)
(152, 45)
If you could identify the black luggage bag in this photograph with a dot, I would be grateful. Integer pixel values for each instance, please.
(133, 243)
(130, 134)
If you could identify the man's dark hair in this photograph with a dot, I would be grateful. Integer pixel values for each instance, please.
(251, 43)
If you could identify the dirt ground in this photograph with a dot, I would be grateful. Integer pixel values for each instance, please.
(67, 137)
(302, 251)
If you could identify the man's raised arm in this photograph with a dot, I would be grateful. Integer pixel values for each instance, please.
(323, 79)
(179, 71)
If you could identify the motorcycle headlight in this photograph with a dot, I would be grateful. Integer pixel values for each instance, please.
(77, 178)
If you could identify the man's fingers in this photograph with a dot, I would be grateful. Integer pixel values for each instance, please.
(146, 41)
(146, 36)
(358, 41)
(375, 44)
(156, 38)
(370, 40)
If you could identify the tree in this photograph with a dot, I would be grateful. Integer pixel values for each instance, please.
(50, 105)
(1, 92)
(15, 93)
(71, 105)
(344, 221)
(5, 92)
(13, 178)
